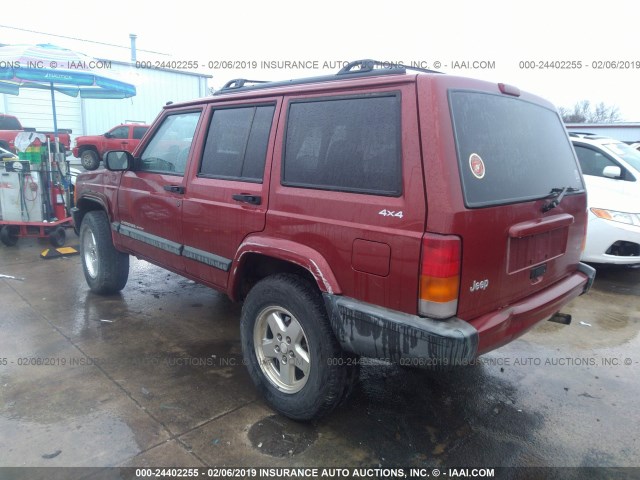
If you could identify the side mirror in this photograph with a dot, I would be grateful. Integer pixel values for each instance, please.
(108, 135)
(118, 161)
(612, 171)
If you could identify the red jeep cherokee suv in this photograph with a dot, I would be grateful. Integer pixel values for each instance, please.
(417, 218)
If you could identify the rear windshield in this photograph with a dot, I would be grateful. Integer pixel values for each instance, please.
(509, 150)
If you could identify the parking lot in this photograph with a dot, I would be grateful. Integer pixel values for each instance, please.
(154, 377)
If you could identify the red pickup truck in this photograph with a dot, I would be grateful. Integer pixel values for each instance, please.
(89, 149)
(10, 127)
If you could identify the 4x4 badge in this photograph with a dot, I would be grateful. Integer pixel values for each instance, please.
(477, 165)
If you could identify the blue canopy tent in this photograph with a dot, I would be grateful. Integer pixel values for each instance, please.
(59, 70)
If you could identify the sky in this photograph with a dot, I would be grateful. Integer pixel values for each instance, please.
(564, 51)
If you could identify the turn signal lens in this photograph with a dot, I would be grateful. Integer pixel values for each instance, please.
(614, 216)
(439, 275)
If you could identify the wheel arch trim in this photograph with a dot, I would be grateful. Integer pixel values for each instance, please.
(288, 251)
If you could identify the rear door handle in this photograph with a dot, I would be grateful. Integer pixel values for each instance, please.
(174, 188)
(252, 199)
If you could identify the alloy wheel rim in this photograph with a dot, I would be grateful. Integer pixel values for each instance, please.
(282, 349)
(90, 254)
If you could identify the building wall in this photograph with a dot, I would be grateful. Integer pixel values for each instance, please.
(34, 110)
(154, 88)
(627, 132)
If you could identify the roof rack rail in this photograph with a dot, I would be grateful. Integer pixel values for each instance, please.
(241, 82)
(577, 134)
(367, 65)
(355, 69)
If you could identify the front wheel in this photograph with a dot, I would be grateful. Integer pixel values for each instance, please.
(89, 160)
(105, 268)
(290, 350)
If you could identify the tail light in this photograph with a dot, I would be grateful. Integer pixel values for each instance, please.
(439, 275)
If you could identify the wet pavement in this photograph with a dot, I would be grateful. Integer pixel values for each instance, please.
(154, 377)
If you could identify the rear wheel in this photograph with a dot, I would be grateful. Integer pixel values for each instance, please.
(105, 268)
(290, 350)
(89, 160)
(9, 235)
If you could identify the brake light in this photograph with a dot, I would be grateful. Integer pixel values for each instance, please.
(509, 89)
(439, 275)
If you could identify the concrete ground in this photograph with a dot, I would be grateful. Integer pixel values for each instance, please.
(154, 377)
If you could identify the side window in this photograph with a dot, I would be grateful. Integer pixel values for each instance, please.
(138, 132)
(350, 145)
(168, 150)
(236, 146)
(592, 162)
(120, 132)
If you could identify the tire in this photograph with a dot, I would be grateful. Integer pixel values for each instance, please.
(89, 160)
(105, 268)
(9, 235)
(318, 378)
(58, 237)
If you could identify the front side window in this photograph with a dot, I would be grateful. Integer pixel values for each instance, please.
(237, 140)
(345, 144)
(168, 150)
(592, 162)
(119, 132)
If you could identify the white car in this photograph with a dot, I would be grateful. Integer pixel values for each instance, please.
(611, 172)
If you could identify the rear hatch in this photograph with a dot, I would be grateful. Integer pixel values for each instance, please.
(503, 156)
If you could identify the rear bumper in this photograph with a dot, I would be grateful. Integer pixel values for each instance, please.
(501, 327)
(377, 332)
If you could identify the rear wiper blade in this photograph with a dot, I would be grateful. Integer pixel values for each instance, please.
(556, 195)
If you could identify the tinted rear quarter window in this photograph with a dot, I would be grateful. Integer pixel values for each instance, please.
(523, 147)
(345, 144)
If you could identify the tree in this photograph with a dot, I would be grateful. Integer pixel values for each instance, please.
(583, 113)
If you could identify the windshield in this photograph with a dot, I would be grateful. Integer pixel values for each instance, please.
(624, 151)
(510, 150)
